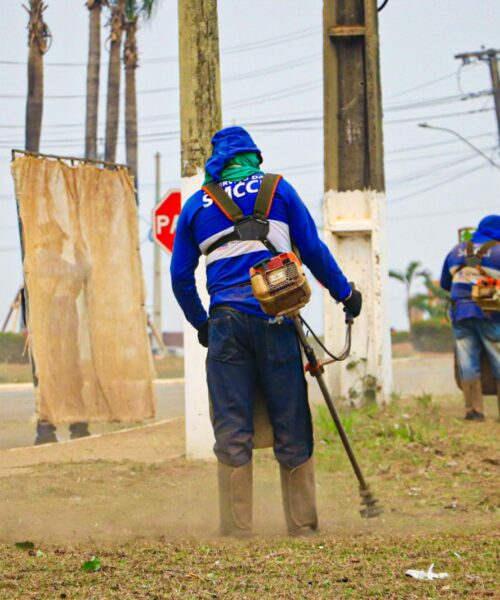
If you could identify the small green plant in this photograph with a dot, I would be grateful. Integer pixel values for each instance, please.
(424, 401)
(366, 386)
(92, 565)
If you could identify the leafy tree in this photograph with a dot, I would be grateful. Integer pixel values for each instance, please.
(408, 278)
(434, 303)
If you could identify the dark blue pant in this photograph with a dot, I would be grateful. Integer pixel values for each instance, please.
(246, 353)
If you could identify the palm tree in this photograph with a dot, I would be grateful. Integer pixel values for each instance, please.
(434, 302)
(407, 278)
(39, 42)
(93, 69)
(133, 11)
(116, 24)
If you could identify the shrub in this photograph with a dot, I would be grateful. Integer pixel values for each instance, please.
(11, 348)
(432, 336)
(400, 337)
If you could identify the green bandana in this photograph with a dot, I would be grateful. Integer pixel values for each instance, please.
(238, 168)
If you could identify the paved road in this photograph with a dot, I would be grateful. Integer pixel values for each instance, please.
(412, 376)
(17, 405)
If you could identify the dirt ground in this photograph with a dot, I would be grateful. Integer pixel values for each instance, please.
(132, 500)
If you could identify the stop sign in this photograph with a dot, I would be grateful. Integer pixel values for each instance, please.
(165, 216)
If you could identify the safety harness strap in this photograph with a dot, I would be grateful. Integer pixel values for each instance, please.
(265, 196)
(485, 247)
(253, 227)
(474, 259)
(226, 204)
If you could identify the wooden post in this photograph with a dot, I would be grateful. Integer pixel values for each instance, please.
(354, 203)
(200, 104)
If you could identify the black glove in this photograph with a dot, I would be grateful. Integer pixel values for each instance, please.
(352, 305)
(203, 334)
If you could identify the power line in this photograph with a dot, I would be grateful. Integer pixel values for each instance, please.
(441, 213)
(249, 75)
(422, 85)
(430, 156)
(429, 172)
(444, 116)
(159, 136)
(434, 144)
(257, 45)
(439, 184)
(438, 101)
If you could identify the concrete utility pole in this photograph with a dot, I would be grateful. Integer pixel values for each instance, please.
(491, 57)
(354, 203)
(157, 263)
(200, 100)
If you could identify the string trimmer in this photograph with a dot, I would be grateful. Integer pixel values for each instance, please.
(280, 285)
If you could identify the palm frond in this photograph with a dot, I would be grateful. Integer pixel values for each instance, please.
(397, 275)
(411, 270)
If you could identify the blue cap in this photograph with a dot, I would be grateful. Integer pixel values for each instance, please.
(227, 143)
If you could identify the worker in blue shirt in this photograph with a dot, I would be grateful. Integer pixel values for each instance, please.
(248, 351)
(474, 329)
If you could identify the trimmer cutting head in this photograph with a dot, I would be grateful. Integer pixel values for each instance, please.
(369, 507)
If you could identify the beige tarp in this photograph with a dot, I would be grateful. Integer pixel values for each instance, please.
(85, 298)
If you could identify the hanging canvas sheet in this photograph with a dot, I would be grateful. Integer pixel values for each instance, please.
(84, 290)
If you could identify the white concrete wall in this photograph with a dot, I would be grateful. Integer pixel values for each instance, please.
(199, 433)
(355, 232)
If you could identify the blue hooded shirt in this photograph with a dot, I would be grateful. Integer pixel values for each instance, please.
(460, 282)
(201, 223)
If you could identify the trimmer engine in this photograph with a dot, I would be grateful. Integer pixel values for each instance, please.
(486, 293)
(280, 285)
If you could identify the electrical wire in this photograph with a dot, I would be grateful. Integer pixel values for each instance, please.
(429, 172)
(434, 144)
(257, 45)
(437, 185)
(443, 116)
(382, 6)
(347, 345)
(442, 213)
(439, 101)
(233, 78)
(422, 85)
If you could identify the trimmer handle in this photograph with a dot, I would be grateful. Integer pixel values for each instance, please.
(349, 317)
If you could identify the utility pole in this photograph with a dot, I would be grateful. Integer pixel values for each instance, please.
(354, 201)
(200, 107)
(491, 57)
(157, 263)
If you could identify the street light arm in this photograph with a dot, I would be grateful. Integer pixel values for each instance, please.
(475, 148)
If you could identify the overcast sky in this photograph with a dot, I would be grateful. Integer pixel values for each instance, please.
(271, 66)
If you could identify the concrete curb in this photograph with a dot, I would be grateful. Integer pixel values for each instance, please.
(94, 436)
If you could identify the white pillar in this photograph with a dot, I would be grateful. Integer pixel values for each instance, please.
(356, 234)
(199, 433)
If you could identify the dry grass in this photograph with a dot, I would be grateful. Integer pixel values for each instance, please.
(152, 523)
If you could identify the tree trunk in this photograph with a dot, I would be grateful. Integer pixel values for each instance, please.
(93, 68)
(199, 81)
(38, 36)
(113, 99)
(408, 305)
(130, 61)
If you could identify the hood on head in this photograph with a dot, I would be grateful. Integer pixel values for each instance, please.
(226, 144)
(488, 229)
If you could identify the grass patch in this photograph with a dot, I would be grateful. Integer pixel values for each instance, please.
(150, 526)
(364, 567)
